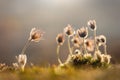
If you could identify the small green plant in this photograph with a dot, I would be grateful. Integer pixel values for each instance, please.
(85, 51)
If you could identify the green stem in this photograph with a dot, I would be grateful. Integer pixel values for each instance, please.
(58, 49)
(25, 47)
(69, 46)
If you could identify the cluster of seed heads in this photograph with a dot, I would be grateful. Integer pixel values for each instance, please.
(84, 50)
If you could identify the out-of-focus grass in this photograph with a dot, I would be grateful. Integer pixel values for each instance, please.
(56, 73)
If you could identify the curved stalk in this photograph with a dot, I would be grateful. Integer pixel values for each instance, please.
(84, 50)
(105, 49)
(58, 49)
(96, 48)
(69, 46)
(25, 47)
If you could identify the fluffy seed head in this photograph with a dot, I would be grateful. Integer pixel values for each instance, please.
(60, 39)
(83, 32)
(69, 31)
(36, 35)
(92, 24)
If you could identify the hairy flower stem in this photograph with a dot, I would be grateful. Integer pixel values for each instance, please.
(58, 49)
(105, 49)
(25, 47)
(69, 46)
(95, 45)
(84, 47)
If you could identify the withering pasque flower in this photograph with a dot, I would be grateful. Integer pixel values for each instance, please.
(69, 31)
(22, 60)
(89, 43)
(92, 24)
(36, 35)
(83, 32)
(60, 38)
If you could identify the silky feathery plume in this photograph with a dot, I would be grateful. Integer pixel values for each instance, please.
(36, 35)
(22, 60)
(92, 24)
(83, 33)
(60, 40)
(69, 31)
(89, 43)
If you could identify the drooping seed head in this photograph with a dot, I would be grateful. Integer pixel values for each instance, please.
(69, 31)
(83, 32)
(36, 35)
(92, 24)
(60, 39)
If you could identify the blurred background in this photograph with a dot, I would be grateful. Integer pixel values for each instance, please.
(17, 17)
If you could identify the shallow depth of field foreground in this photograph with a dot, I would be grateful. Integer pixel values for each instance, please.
(53, 73)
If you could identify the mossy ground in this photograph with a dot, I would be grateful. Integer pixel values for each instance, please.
(57, 73)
